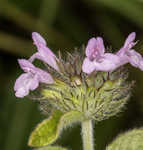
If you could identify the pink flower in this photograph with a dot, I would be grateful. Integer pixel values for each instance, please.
(30, 80)
(97, 59)
(129, 55)
(44, 53)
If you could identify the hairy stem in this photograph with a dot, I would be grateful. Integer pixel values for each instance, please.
(87, 135)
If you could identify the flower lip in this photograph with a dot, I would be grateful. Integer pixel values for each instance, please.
(129, 41)
(129, 55)
(24, 84)
(44, 53)
(26, 65)
(30, 80)
(95, 48)
(38, 39)
(128, 44)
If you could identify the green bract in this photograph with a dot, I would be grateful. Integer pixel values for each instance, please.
(98, 96)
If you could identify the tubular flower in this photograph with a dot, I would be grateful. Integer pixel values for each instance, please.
(129, 55)
(97, 59)
(44, 53)
(30, 79)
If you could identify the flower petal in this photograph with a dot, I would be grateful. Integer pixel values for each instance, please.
(41, 45)
(34, 83)
(100, 45)
(95, 47)
(44, 77)
(38, 73)
(88, 66)
(112, 57)
(134, 58)
(38, 39)
(21, 92)
(108, 63)
(20, 80)
(141, 65)
(127, 45)
(129, 41)
(23, 85)
(26, 65)
(30, 80)
(44, 53)
(48, 57)
(90, 47)
(50, 60)
(34, 56)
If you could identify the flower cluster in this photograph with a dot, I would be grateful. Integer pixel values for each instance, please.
(96, 60)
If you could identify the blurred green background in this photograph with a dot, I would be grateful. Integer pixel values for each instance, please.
(64, 24)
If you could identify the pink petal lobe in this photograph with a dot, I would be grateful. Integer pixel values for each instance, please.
(25, 65)
(22, 93)
(34, 56)
(43, 50)
(88, 66)
(134, 58)
(34, 83)
(20, 80)
(30, 80)
(141, 65)
(23, 84)
(95, 47)
(90, 47)
(129, 41)
(100, 45)
(44, 53)
(48, 57)
(38, 39)
(50, 60)
(44, 77)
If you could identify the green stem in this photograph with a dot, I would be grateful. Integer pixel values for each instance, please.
(87, 135)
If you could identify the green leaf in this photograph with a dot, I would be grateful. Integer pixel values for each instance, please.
(51, 148)
(131, 140)
(49, 130)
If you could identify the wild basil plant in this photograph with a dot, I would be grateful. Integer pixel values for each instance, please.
(83, 88)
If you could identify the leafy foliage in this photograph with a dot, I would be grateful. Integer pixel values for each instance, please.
(49, 130)
(131, 140)
(65, 24)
